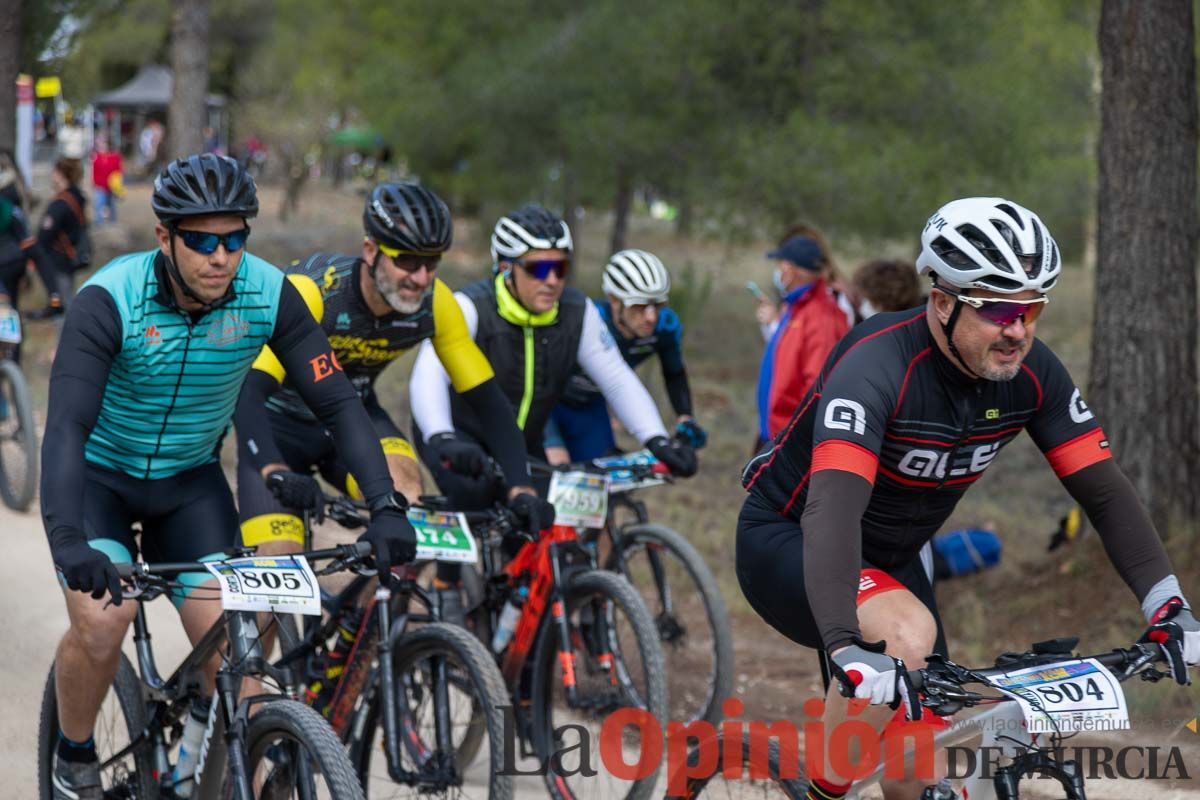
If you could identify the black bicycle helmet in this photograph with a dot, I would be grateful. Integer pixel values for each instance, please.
(408, 217)
(201, 185)
(530, 227)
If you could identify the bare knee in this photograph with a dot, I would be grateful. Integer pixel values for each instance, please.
(99, 631)
(901, 620)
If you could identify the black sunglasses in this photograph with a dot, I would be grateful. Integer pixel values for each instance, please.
(206, 243)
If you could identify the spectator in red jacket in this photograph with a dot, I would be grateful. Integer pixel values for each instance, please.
(105, 164)
(810, 324)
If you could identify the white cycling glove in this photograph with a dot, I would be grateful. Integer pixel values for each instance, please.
(866, 672)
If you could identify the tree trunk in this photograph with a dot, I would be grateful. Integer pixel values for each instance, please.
(621, 206)
(10, 60)
(1143, 371)
(188, 113)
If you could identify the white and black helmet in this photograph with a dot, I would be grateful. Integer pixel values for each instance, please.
(636, 277)
(989, 243)
(530, 227)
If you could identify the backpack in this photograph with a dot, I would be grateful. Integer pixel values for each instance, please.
(965, 551)
(78, 250)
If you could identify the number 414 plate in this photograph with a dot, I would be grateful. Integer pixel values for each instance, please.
(1069, 696)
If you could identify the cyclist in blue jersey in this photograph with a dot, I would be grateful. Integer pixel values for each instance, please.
(636, 287)
(152, 356)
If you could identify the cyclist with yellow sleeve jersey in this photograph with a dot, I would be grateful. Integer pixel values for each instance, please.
(373, 307)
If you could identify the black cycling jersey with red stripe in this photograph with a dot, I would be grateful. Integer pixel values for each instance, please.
(890, 407)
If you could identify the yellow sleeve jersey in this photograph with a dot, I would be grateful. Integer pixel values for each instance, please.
(365, 344)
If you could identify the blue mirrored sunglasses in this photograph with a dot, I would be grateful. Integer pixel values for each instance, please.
(207, 243)
(542, 268)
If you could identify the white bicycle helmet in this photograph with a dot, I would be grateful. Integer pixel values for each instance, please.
(530, 227)
(636, 277)
(989, 243)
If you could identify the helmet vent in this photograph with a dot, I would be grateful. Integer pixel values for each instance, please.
(1012, 212)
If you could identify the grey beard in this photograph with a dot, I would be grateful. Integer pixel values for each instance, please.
(401, 305)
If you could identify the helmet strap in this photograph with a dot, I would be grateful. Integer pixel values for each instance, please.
(948, 330)
(177, 278)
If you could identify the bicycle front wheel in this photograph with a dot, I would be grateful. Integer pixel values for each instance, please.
(292, 752)
(441, 671)
(613, 661)
(18, 439)
(689, 613)
(122, 718)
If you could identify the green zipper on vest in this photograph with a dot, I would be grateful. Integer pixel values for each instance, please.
(527, 397)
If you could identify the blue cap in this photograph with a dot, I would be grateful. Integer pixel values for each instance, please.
(801, 251)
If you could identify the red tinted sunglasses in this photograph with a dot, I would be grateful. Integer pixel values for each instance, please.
(999, 311)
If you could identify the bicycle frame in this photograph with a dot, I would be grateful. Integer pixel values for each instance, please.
(1003, 731)
(229, 715)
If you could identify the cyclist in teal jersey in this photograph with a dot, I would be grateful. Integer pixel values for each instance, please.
(148, 370)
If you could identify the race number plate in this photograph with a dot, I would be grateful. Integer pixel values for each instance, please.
(1070, 696)
(285, 584)
(579, 499)
(622, 479)
(443, 536)
(10, 325)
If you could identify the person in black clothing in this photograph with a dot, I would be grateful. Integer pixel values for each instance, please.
(17, 244)
(60, 234)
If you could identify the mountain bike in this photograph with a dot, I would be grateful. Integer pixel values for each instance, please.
(398, 681)
(18, 436)
(1038, 697)
(672, 577)
(575, 645)
(267, 743)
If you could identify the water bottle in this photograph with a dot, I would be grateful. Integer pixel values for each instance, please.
(506, 626)
(189, 747)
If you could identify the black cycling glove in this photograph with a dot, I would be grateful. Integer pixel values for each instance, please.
(393, 540)
(679, 457)
(465, 458)
(84, 568)
(1177, 633)
(690, 433)
(534, 513)
(297, 491)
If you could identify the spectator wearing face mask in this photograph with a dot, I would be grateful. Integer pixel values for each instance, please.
(886, 285)
(809, 324)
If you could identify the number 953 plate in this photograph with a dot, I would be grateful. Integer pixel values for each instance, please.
(1068, 696)
(285, 584)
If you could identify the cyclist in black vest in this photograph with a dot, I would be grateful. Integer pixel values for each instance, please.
(534, 330)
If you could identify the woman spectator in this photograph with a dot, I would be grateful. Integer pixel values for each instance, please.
(61, 237)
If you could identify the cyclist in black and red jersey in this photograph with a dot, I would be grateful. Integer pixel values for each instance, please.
(909, 410)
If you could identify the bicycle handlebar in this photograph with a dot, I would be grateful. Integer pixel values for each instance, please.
(349, 552)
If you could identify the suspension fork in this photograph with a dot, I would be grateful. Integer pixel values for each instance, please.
(558, 614)
(387, 679)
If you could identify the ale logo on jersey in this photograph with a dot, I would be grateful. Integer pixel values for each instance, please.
(846, 415)
(930, 464)
(1078, 409)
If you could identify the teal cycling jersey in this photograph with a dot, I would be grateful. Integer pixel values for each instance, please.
(173, 385)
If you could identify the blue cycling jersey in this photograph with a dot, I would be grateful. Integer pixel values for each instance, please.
(173, 386)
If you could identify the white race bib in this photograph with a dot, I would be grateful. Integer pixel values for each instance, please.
(1069, 696)
(580, 499)
(285, 584)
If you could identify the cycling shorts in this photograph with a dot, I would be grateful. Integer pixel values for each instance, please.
(585, 430)
(770, 569)
(306, 447)
(189, 516)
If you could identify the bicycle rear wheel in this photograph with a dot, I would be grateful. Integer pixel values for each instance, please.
(689, 612)
(617, 664)
(18, 439)
(292, 752)
(122, 717)
(709, 774)
(475, 695)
